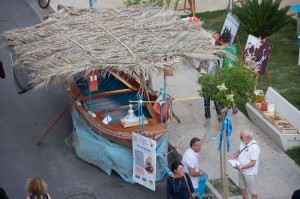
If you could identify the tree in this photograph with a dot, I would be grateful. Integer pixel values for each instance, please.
(261, 19)
(227, 86)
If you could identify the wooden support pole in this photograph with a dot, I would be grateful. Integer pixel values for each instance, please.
(53, 124)
(168, 3)
(299, 58)
(268, 77)
(239, 43)
(223, 160)
(186, 98)
(256, 81)
(193, 7)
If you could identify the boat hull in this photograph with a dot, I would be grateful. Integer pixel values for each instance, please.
(116, 132)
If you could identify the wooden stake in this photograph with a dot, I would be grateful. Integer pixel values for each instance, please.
(193, 7)
(239, 43)
(256, 81)
(53, 124)
(186, 98)
(268, 77)
(223, 160)
(176, 4)
(168, 3)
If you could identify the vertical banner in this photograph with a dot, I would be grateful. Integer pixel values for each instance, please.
(144, 160)
(231, 24)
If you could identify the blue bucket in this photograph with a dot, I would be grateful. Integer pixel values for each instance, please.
(201, 187)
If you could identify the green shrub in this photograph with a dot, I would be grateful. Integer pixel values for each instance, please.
(261, 19)
(294, 153)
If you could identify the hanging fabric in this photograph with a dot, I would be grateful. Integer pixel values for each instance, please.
(93, 80)
(93, 3)
(228, 128)
(160, 108)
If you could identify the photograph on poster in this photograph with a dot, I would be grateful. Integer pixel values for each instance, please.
(231, 24)
(149, 164)
(257, 54)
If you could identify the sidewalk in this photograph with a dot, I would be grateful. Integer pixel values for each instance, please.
(278, 175)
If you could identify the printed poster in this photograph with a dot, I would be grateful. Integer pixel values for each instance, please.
(257, 54)
(231, 24)
(144, 160)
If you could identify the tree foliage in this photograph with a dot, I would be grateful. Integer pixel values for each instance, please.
(228, 88)
(261, 19)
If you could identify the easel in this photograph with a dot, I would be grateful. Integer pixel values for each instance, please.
(257, 75)
(192, 9)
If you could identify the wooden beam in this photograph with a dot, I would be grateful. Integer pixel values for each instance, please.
(123, 80)
(186, 98)
(105, 94)
(116, 108)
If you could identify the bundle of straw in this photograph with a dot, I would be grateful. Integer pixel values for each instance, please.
(74, 42)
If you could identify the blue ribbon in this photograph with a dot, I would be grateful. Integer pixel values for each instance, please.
(228, 127)
(93, 2)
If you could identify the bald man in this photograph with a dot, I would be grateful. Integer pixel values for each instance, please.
(247, 155)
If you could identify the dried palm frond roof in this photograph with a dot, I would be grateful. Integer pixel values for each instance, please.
(72, 42)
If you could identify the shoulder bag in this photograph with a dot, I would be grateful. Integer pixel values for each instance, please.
(191, 197)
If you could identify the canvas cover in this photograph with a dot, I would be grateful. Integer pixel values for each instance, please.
(109, 156)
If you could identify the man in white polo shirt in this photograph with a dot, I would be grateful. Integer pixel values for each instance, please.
(248, 156)
(191, 166)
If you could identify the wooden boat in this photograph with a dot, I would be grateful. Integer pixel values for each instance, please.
(112, 98)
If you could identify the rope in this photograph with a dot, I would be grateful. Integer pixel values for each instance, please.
(175, 146)
(140, 111)
(69, 137)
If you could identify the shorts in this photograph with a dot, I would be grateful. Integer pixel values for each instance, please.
(248, 182)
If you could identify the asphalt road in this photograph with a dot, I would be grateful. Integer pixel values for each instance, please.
(24, 118)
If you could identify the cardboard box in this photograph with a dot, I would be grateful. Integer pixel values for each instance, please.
(291, 130)
(127, 124)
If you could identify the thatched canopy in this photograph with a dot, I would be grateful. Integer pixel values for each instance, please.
(73, 41)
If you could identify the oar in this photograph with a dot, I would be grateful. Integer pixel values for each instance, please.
(49, 129)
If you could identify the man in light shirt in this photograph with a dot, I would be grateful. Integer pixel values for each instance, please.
(248, 156)
(191, 166)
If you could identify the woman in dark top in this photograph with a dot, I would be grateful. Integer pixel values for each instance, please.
(37, 188)
(177, 188)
